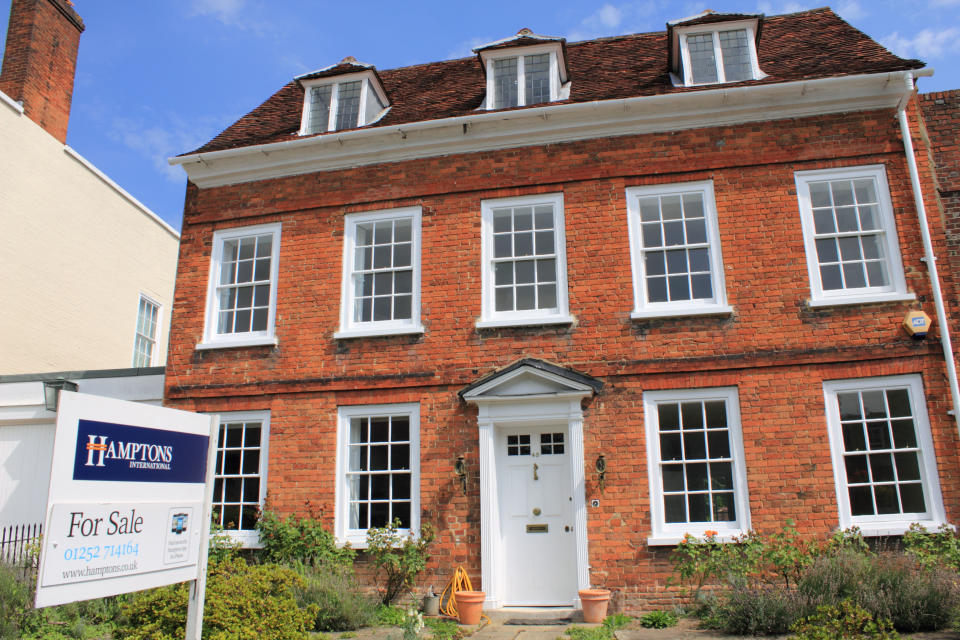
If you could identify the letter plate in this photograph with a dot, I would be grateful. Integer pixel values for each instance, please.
(536, 528)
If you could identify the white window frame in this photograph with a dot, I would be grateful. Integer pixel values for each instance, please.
(663, 533)
(885, 524)
(350, 328)
(519, 53)
(357, 538)
(714, 30)
(897, 289)
(490, 318)
(642, 308)
(368, 82)
(250, 538)
(214, 340)
(155, 339)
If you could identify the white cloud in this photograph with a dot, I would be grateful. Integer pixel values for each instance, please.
(609, 16)
(772, 9)
(928, 43)
(226, 11)
(851, 10)
(158, 141)
(465, 49)
(610, 19)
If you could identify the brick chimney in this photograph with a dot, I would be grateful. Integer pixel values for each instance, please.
(40, 61)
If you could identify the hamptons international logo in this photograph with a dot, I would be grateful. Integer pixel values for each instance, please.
(140, 455)
(118, 452)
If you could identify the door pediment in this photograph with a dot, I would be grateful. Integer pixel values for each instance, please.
(528, 379)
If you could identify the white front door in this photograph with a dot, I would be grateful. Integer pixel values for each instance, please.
(536, 516)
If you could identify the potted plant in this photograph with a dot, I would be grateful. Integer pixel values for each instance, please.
(594, 604)
(469, 606)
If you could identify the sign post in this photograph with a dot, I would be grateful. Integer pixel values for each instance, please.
(129, 500)
(198, 588)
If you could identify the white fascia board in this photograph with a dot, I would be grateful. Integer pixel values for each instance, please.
(13, 104)
(487, 131)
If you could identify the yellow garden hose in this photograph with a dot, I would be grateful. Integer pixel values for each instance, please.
(448, 599)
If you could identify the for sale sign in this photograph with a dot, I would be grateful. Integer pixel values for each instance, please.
(126, 507)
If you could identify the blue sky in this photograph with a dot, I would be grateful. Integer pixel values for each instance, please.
(159, 78)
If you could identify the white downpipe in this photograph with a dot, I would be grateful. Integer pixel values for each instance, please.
(930, 259)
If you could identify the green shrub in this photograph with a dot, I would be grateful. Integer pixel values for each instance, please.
(339, 603)
(764, 610)
(400, 558)
(887, 585)
(390, 616)
(443, 629)
(939, 548)
(294, 540)
(14, 601)
(658, 620)
(242, 602)
(619, 620)
(845, 621)
(72, 621)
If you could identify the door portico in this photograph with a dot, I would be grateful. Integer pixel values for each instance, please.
(532, 496)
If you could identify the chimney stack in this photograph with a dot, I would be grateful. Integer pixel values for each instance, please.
(40, 61)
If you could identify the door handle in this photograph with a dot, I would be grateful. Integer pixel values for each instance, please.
(535, 468)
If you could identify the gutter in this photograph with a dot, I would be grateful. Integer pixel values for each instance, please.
(929, 257)
(666, 102)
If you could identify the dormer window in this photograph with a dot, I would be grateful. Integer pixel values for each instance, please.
(707, 49)
(524, 70)
(335, 100)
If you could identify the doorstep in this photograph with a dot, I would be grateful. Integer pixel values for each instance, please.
(533, 616)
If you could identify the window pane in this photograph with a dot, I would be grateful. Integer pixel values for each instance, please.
(505, 83)
(669, 416)
(736, 55)
(319, 109)
(723, 507)
(536, 71)
(699, 506)
(911, 498)
(694, 446)
(348, 105)
(702, 61)
(675, 508)
(673, 477)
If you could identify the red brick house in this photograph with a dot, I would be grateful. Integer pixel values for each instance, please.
(680, 258)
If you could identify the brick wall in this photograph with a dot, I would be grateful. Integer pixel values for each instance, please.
(40, 61)
(774, 348)
(941, 114)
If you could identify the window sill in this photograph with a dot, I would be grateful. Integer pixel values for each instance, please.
(715, 310)
(246, 539)
(358, 541)
(667, 539)
(524, 322)
(258, 341)
(895, 528)
(864, 298)
(372, 332)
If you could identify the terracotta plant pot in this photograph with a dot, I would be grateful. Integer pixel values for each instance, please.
(469, 606)
(594, 603)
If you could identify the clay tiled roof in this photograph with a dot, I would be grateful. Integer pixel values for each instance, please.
(798, 46)
(713, 17)
(941, 112)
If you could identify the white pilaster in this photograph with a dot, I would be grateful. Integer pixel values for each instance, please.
(578, 480)
(489, 515)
